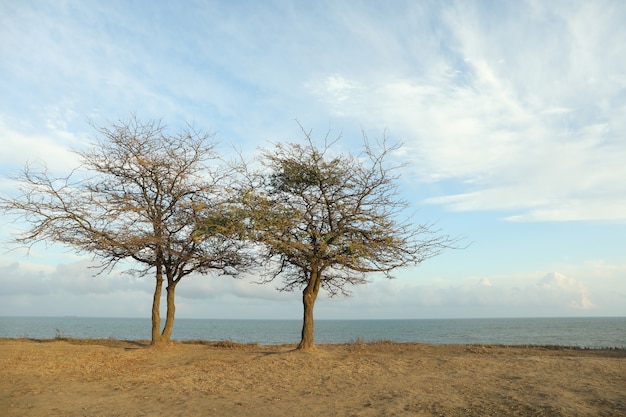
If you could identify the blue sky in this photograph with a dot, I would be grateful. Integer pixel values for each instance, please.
(512, 114)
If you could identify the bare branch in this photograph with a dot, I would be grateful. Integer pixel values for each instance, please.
(327, 221)
(140, 194)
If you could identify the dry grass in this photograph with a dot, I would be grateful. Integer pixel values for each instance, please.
(222, 344)
(105, 377)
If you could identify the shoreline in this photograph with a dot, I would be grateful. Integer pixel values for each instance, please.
(586, 332)
(229, 344)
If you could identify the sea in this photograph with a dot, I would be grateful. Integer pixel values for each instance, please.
(584, 332)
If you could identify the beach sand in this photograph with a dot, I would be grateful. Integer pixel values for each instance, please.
(75, 377)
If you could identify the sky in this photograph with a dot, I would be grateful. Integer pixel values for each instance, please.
(512, 116)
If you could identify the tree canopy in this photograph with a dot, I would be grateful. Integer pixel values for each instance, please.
(139, 195)
(326, 220)
(165, 204)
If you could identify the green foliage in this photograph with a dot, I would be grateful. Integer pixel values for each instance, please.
(336, 216)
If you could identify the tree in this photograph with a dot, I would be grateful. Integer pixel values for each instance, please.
(327, 221)
(138, 196)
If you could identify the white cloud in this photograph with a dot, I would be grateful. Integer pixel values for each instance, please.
(336, 90)
(511, 295)
(73, 286)
(18, 282)
(215, 286)
(527, 110)
(518, 109)
(79, 278)
(561, 286)
(509, 158)
(52, 149)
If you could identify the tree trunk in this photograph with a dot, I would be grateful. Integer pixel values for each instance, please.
(309, 295)
(171, 310)
(156, 308)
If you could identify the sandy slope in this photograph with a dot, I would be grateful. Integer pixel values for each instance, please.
(113, 378)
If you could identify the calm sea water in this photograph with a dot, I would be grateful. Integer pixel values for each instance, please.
(582, 332)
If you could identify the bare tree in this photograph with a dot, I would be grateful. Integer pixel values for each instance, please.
(327, 221)
(138, 196)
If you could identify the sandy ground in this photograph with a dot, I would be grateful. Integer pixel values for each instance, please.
(113, 378)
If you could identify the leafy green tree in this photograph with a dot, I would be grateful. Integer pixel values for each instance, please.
(137, 196)
(327, 220)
